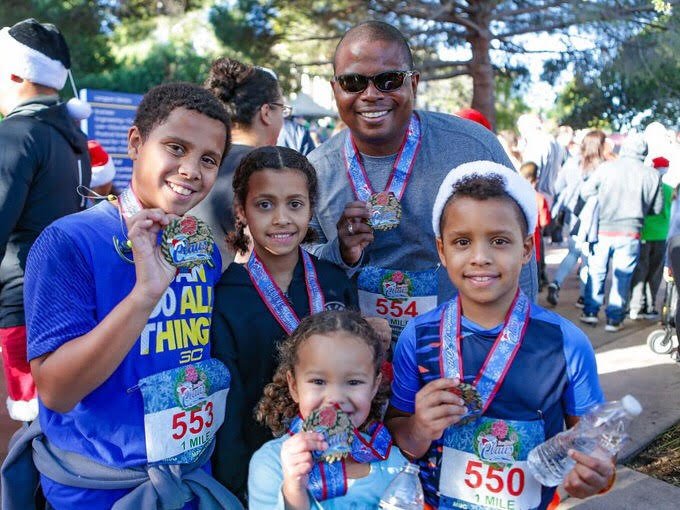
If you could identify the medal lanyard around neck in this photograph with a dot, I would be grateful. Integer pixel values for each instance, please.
(499, 358)
(401, 171)
(273, 297)
(128, 206)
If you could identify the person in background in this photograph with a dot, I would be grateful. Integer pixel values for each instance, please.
(43, 160)
(537, 145)
(103, 169)
(475, 116)
(254, 100)
(296, 135)
(529, 171)
(508, 139)
(626, 192)
(574, 173)
(648, 272)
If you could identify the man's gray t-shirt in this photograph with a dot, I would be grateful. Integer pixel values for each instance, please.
(447, 142)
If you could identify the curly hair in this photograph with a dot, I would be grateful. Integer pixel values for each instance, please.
(277, 408)
(267, 158)
(242, 88)
(483, 187)
(159, 102)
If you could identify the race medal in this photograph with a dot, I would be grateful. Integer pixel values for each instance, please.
(187, 242)
(385, 211)
(337, 429)
(385, 206)
(473, 401)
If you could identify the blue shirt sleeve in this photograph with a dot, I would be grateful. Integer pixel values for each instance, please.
(59, 293)
(406, 382)
(265, 478)
(583, 390)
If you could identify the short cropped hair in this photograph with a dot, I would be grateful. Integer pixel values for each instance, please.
(159, 102)
(377, 31)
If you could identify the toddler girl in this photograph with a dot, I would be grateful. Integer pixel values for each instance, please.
(332, 359)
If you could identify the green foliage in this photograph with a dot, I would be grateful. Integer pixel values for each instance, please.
(642, 78)
(163, 63)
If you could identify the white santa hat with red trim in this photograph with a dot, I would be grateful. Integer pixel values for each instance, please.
(103, 169)
(515, 185)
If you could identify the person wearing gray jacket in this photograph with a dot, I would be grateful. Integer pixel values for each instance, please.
(626, 192)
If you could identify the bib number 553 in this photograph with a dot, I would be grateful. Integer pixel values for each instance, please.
(193, 422)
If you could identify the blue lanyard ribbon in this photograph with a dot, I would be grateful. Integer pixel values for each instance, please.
(273, 297)
(329, 480)
(401, 171)
(501, 355)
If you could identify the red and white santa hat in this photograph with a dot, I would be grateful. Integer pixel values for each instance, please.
(103, 169)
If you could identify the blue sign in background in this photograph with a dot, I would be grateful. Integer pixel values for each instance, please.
(112, 116)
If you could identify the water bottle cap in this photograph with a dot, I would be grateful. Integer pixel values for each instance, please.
(631, 405)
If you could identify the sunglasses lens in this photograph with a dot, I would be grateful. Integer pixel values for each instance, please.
(353, 82)
(389, 81)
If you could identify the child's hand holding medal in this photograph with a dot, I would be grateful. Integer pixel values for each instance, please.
(154, 273)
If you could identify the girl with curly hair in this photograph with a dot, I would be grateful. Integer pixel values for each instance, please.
(259, 303)
(332, 359)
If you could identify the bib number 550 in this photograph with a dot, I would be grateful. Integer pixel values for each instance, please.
(494, 479)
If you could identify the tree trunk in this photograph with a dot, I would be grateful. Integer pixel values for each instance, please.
(483, 91)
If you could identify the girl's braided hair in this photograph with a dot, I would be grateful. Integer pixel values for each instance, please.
(267, 158)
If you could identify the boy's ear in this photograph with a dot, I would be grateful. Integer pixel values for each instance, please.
(134, 142)
(292, 386)
(440, 251)
(528, 248)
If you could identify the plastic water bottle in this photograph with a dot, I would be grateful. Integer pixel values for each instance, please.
(600, 433)
(405, 491)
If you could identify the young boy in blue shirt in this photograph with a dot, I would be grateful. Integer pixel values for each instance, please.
(482, 379)
(118, 331)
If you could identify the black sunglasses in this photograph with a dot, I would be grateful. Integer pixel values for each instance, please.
(388, 81)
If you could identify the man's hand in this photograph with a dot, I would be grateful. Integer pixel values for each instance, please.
(353, 232)
(589, 476)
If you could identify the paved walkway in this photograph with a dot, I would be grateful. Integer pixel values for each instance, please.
(627, 365)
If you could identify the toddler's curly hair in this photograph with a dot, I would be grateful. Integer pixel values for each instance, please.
(277, 408)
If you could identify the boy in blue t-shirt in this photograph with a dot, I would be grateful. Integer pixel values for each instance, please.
(118, 336)
(482, 379)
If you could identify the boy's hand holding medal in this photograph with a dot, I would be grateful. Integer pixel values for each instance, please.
(186, 242)
(440, 404)
(154, 273)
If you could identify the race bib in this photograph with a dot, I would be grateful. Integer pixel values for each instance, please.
(183, 409)
(397, 296)
(484, 466)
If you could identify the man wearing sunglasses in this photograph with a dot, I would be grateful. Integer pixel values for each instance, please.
(378, 179)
